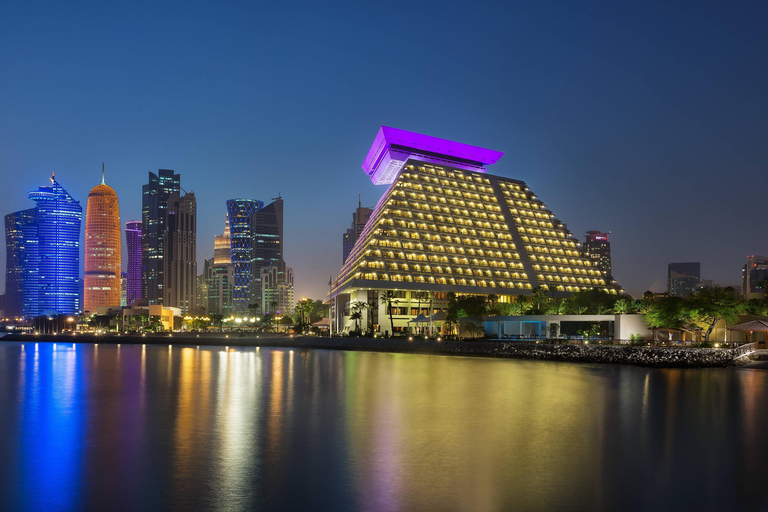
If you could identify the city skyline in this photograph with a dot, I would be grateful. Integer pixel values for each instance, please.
(638, 137)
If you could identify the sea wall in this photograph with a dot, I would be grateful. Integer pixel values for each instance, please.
(657, 357)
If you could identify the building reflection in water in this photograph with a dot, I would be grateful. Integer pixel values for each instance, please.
(185, 427)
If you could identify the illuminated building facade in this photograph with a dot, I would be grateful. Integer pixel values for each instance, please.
(15, 261)
(445, 225)
(754, 276)
(180, 259)
(277, 289)
(218, 282)
(682, 278)
(240, 217)
(52, 253)
(267, 232)
(154, 205)
(103, 252)
(359, 219)
(222, 247)
(134, 288)
(598, 248)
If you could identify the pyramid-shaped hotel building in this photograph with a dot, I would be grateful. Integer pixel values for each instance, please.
(444, 225)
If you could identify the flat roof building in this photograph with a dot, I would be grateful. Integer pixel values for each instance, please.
(754, 276)
(682, 278)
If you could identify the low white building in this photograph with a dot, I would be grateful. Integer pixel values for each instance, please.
(614, 326)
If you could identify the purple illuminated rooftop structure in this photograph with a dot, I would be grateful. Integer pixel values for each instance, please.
(393, 147)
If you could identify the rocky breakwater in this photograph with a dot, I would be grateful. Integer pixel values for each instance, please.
(656, 357)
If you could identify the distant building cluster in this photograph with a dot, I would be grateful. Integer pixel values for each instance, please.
(247, 276)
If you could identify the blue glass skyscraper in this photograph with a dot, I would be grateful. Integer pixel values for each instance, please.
(239, 214)
(15, 261)
(52, 253)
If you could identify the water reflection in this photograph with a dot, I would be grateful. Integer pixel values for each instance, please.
(162, 427)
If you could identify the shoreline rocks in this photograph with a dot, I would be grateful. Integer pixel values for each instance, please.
(654, 357)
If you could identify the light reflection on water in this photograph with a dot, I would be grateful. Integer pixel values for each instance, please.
(135, 427)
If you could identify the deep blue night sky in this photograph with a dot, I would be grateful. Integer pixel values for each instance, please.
(646, 119)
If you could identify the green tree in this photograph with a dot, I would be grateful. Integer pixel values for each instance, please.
(303, 309)
(216, 319)
(622, 306)
(670, 313)
(539, 300)
(556, 307)
(715, 304)
(592, 300)
(472, 305)
(452, 313)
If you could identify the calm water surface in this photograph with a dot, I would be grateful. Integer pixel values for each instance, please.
(131, 427)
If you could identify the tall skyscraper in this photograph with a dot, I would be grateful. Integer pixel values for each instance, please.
(359, 219)
(103, 252)
(52, 253)
(240, 217)
(754, 276)
(445, 225)
(134, 289)
(682, 278)
(598, 248)
(15, 261)
(154, 204)
(180, 259)
(267, 233)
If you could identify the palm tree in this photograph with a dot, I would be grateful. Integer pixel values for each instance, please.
(356, 317)
(622, 307)
(539, 295)
(389, 298)
(373, 303)
(601, 309)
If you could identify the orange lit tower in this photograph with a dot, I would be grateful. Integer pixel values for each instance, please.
(102, 248)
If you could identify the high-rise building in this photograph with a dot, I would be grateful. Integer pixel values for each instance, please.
(52, 253)
(267, 233)
(154, 204)
(219, 279)
(123, 289)
(754, 276)
(682, 278)
(444, 225)
(277, 287)
(180, 258)
(15, 261)
(103, 250)
(240, 217)
(134, 288)
(598, 248)
(222, 247)
(359, 219)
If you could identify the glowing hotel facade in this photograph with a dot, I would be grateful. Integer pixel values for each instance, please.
(445, 225)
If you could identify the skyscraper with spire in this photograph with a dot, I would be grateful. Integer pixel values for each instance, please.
(359, 219)
(103, 252)
(51, 256)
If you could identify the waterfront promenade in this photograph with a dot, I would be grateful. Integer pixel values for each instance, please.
(657, 357)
